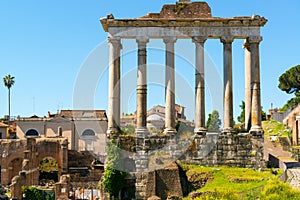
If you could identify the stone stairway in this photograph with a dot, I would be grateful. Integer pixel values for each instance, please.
(293, 177)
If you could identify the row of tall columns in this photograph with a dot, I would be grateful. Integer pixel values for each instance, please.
(114, 86)
(252, 85)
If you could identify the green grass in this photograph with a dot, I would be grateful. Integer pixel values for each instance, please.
(275, 128)
(235, 179)
(228, 181)
(277, 190)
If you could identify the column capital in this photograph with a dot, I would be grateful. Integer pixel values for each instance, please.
(246, 45)
(142, 39)
(199, 39)
(227, 39)
(114, 40)
(169, 39)
(254, 39)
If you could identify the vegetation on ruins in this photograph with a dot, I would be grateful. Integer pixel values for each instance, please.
(277, 190)
(236, 183)
(48, 165)
(213, 122)
(8, 81)
(35, 193)
(128, 130)
(273, 127)
(289, 82)
(31, 193)
(113, 178)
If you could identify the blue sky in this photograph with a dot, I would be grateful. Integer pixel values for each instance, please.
(45, 44)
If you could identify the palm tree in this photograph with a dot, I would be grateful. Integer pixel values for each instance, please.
(8, 82)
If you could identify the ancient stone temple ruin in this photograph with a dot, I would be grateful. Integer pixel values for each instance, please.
(194, 21)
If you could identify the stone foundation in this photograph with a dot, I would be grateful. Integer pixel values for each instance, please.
(236, 150)
(212, 149)
(153, 176)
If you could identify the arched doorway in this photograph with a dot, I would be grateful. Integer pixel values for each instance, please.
(48, 169)
(32, 133)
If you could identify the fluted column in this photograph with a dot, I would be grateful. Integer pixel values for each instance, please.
(228, 100)
(248, 94)
(199, 86)
(255, 85)
(141, 115)
(170, 86)
(114, 87)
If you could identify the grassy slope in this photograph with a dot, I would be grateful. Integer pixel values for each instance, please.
(229, 178)
(275, 128)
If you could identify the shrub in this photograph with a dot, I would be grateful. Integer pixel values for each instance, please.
(32, 193)
(113, 179)
(277, 190)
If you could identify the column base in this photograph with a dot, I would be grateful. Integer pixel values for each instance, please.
(200, 131)
(256, 131)
(228, 130)
(142, 132)
(170, 131)
(112, 132)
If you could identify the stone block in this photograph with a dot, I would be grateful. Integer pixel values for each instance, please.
(144, 162)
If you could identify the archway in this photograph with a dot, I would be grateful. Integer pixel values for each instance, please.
(32, 133)
(48, 169)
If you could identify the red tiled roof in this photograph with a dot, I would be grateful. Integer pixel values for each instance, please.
(96, 114)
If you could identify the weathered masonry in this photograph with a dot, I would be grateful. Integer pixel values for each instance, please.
(186, 20)
(194, 21)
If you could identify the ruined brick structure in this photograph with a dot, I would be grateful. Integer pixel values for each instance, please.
(20, 160)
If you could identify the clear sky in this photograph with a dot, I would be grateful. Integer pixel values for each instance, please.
(44, 45)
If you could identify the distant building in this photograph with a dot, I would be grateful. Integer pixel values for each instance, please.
(293, 122)
(155, 117)
(4, 131)
(278, 115)
(127, 119)
(85, 129)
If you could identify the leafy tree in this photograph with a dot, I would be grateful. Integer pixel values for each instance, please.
(8, 81)
(289, 81)
(113, 179)
(213, 122)
(292, 102)
(263, 115)
(241, 117)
